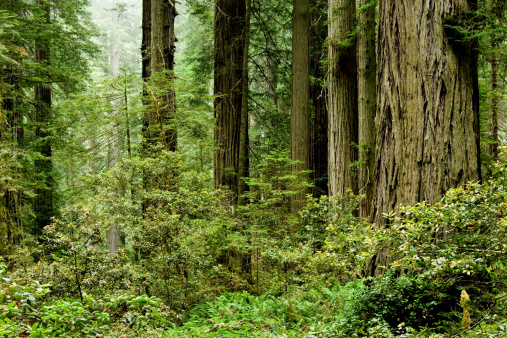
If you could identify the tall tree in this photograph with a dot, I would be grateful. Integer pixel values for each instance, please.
(318, 97)
(497, 10)
(342, 97)
(367, 68)
(299, 125)
(427, 107)
(11, 133)
(44, 200)
(113, 155)
(162, 50)
(243, 130)
(146, 41)
(229, 27)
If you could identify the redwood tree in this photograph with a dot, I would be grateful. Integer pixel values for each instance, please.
(44, 200)
(427, 107)
(162, 51)
(229, 27)
(299, 125)
(367, 68)
(318, 97)
(342, 97)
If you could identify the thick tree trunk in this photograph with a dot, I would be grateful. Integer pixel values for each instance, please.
(367, 67)
(317, 162)
(228, 84)
(427, 108)
(299, 119)
(342, 96)
(43, 204)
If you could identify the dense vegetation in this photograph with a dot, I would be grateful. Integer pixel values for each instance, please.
(160, 187)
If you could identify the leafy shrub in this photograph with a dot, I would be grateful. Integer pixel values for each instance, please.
(26, 310)
(458, 243)
(341, 242)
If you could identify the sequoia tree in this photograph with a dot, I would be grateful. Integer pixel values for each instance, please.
(229, 27)
(162, 51)
(427, 107)
(44, 200)
(342, 97)
(367, 67)
(299, 126)
(318, 97)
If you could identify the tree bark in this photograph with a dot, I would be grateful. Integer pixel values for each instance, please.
(427, 108)
(243, 133)
(146, 41)
(44, 200)
(299, 120)
(367, 68)
(229, 27)
(495, 101)
(113, 155)
(342, 105)
(161, 120)
(169, 36)
(146, 73)
(318, 97)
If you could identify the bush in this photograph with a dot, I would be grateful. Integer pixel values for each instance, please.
(26, 310)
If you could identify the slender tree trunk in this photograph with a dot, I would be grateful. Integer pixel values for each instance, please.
(11, 135)
(44, 200)
(243, 132)
(114, 140)
(146, 69)
(427, 108)
(246, 257)
(495, 101)
(146, 73)
(169, 50)
(228, 83)
(299, 120)
(158, 115)
(343, 123)
(318, 96)
(367, 67)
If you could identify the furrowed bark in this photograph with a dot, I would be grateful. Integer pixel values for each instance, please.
(342, 96)
(299, 125)
(427, 108)
(367, 67)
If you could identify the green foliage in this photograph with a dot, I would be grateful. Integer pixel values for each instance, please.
(438, 250)
(341, 242)
(74, 260)
(26, 310)
(309, 314)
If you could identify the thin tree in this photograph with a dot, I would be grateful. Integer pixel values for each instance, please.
(44, 200)
(113, 155)
(367, 68)
(318, 97)
(299, 125)
(243, 135)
